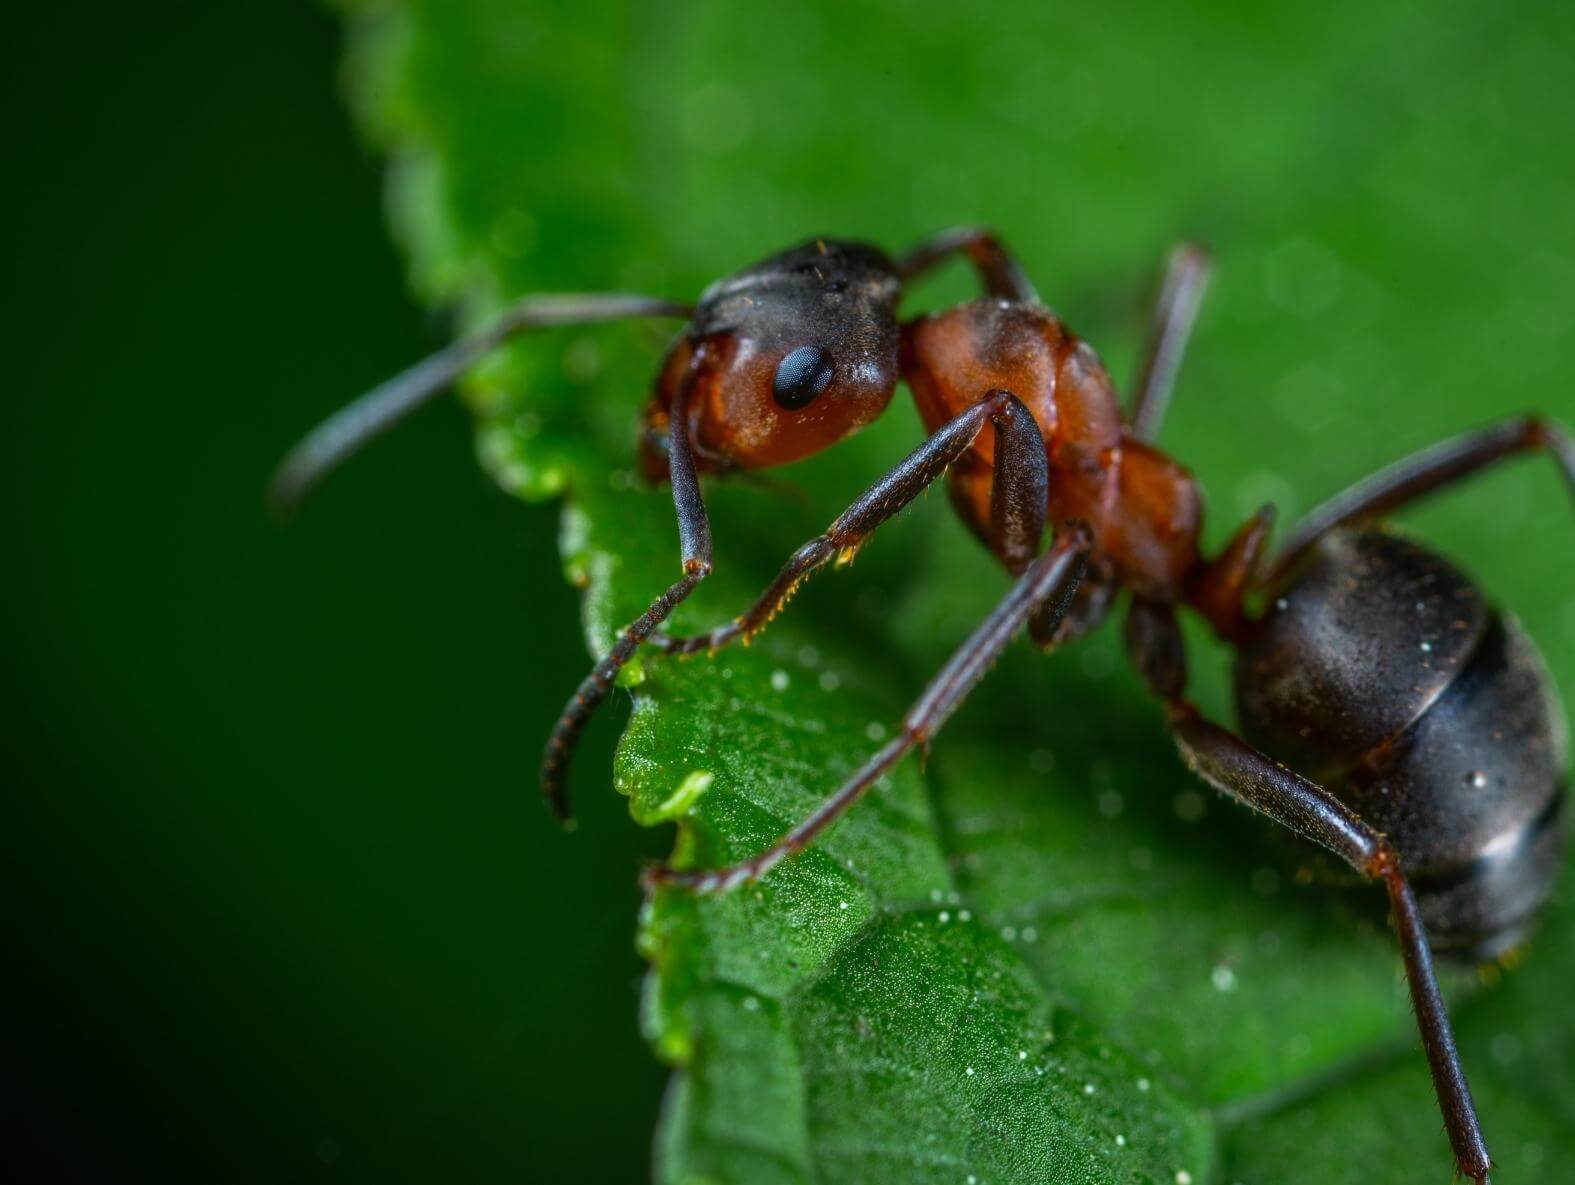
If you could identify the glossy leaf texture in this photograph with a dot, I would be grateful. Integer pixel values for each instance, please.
(1050, 955)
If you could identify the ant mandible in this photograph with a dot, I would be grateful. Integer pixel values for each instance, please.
(1379, 670)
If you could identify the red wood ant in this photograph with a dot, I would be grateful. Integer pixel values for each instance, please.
(1427, 735)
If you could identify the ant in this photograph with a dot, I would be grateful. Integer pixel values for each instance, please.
(1420, 736)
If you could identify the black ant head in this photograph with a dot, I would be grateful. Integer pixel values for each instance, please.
(802, 351)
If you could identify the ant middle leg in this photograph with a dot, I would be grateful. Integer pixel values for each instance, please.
(1420, 474)
(1236, 768)
(1050, 579)
(1175, 312)
(1018, 497)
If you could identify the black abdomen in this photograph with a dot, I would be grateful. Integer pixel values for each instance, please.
(1381, 673)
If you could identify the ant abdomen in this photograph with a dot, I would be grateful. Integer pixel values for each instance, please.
(1381, 671)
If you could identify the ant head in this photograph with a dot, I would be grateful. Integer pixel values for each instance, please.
(801, 351)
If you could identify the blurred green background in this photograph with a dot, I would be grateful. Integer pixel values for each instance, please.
(288, 908)
(283, 904)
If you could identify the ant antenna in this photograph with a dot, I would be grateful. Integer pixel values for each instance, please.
(350, 428)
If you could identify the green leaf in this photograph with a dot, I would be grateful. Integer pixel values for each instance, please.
(1050, 955)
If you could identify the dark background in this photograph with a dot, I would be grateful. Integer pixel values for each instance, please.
(284, 903)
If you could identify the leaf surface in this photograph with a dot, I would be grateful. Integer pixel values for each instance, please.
(1051, 955)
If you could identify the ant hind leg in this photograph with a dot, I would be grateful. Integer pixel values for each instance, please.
(1234, 767)
(1420, 474)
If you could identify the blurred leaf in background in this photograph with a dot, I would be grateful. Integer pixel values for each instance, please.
(288, 912)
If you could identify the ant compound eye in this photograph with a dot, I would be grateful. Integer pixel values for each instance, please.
(801, 376)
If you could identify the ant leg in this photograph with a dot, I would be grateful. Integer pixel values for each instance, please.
(1052, 578)
(1017, 510)
(354, 425)
(1431, 469)
(1231, 765)
(1219, 591)
(1180, 294)
(694, 539)
(998, 269)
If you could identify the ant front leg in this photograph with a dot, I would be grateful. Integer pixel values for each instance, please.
(1019, 493)
(1233, 766)
(1422, 473)
(694, 538)
(1050, 579)
(998, 269)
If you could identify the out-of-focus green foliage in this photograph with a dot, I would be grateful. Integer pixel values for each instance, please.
(1050, 956)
